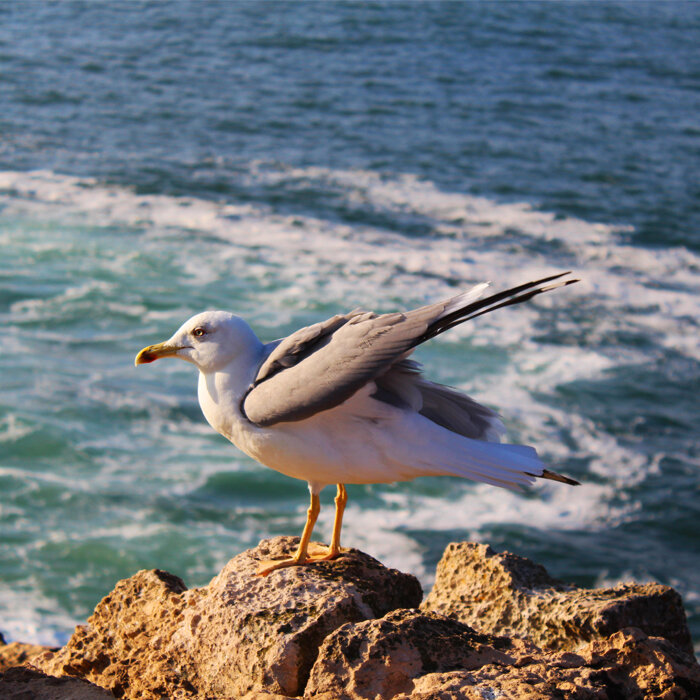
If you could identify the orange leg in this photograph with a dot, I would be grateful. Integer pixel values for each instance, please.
(340, 500)
(320, 553)
(301, 556)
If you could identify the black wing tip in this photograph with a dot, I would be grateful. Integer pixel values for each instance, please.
(553, 476)
(549, 278)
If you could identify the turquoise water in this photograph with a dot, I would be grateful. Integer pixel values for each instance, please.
(288, 162)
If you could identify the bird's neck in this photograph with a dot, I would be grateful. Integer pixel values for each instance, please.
(220, 393)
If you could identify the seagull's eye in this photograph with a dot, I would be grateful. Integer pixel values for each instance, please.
(198, 332)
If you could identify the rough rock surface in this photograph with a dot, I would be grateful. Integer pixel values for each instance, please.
(409, 655)
(30, 684)
(506, 594)
(349, 630)
(240, 635)
(17, 653)
(381, 658)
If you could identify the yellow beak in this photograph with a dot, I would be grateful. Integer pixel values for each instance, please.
(155, 352)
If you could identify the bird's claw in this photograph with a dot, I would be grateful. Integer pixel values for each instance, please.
(320, 552)
(316, 553)
(268, 566)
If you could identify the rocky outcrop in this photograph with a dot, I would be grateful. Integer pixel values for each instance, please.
(506, 594)
(351, 630)
(153, 638)
(409, 655)
(29, 684)
(17, 653)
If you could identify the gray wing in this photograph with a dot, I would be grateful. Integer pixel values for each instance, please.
(319, 367)
(292, 349)
(403, 386)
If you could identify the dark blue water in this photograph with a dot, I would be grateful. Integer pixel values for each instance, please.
(587, 109)
(291, 160)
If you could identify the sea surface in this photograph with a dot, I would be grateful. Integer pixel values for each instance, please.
(288, 161)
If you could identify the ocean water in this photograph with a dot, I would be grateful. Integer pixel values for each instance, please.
(290, 161)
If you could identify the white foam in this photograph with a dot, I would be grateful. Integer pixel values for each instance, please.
(32, 618)
(559, 434)
(13, 428)
(457, 213)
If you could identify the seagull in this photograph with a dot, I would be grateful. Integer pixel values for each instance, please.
(340, 402)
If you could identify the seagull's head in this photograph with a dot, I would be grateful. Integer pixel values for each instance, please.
(210, 340)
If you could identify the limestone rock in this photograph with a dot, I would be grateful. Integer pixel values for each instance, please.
(241, 634)
(506, 594)
(349, 630)
(627, 665)
(409, 655)
(124, 646)
(381, 658)
(29, 684)
(18, 653)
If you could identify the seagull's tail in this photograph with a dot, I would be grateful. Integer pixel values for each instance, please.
(464, 309)
(510, 466)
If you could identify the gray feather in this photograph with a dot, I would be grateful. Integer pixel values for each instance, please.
(403, 386)
(321, 366)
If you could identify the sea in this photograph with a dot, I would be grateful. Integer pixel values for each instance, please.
(288, 161)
